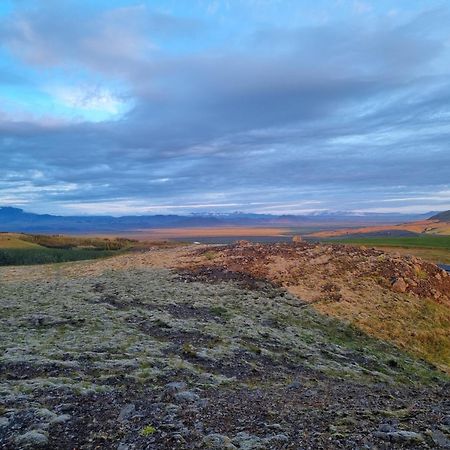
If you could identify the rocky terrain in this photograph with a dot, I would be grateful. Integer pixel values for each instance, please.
(402, 299)
(236, 347)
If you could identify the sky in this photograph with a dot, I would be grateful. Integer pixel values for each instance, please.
(177, 106)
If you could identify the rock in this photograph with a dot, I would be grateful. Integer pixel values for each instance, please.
(171, 389)
(4, 422)
(440, 439)
(399, 285)
(171, 408)
(44, 413)
(400, 436)
(274, 426)
(386, 428)
(277, 439)
(204, 356)
(63, 418)
(123, 446)
(186, 397)
(32, 439)
(174, 387)
(243, 243)
(294, 385)
(410, 282)
(64, 407)
(126, 412)
(217, 442)
(246, 441)
(297, 238)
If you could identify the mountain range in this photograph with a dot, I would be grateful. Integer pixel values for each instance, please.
(17, 220)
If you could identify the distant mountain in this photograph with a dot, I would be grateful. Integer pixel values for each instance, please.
(18, 220)
(442, 216)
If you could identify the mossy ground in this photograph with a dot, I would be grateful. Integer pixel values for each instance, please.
(87, 345)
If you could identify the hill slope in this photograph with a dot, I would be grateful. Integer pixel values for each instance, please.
(383, 294)
(439, 224)
(125, 353)
(443, 216)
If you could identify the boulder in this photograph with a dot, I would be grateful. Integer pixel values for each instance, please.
(399, 285)
(32, 439)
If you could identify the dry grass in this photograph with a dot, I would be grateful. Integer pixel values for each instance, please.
(420, 326)
(193, 232)
(13, 240)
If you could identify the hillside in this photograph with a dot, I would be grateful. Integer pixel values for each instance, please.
(242, 347)
(443, 216)
(383, 294)
(437, 224)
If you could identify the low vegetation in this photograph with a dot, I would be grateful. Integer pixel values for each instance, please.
(27, 249)
(119, 354)
(402, 300)
(420, 241)
(29, 256)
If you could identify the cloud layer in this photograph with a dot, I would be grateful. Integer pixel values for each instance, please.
(124, 108)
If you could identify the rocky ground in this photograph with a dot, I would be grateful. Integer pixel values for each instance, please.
(402, 299)
(177, 349)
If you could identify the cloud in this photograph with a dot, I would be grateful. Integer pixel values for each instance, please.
(94, 99)
(340, 115)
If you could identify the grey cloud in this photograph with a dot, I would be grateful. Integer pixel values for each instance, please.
(114, 42)
(305, 114)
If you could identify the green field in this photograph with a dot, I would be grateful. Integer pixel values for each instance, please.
(425, 241)
(28, 256)
(27, 249)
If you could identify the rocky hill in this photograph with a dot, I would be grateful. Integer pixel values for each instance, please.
(236, 347)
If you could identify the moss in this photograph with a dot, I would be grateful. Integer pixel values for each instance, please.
(189, 350)
(220, 311)
(210, 255)
(421, 274)
(147, 431)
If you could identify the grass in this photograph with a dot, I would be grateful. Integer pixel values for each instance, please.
(148, 431)
(435, 249)
(423, 241)
(392, 320)
(9, 240)
(29, 256)
(28, 249)
(68, 242)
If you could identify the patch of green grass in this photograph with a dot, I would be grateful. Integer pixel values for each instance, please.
(421, 241)
(30, 256)
(69, 242)
(147, 431)
(220, 311)
(210, 255)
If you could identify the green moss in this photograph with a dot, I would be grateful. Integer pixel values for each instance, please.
(220, 311)
(210, 255)
(147, 431)
(188, 349)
